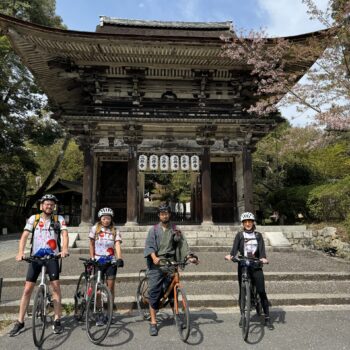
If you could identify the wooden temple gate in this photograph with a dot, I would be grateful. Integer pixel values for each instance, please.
(144, 87)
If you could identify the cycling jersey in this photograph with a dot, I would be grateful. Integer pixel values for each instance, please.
(44, 233)
(104, 240)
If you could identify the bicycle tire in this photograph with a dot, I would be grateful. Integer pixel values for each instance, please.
(97, 333)
(182, 314)
(245, 309)
(142, 299)
(80, 297)
(39, 317)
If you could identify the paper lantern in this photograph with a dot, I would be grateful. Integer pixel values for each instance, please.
(195, 163)
(174, 163)
(142, 162)
(185, 162)
(153, 162)
(164, 162)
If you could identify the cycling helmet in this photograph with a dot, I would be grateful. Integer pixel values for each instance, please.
(247, 216)
(105, 211)
(163, 208)
(48, 197)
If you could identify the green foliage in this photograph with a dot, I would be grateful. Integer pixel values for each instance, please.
(71, 167)
(23, 107)
(330, 201)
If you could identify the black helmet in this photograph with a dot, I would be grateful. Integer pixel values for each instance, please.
(48, 197)
(163, 208)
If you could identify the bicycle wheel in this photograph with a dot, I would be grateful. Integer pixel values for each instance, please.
(245, 309)
(182, 314)
(142, 299)
(99, 314)
(39, 317)
(80, 297)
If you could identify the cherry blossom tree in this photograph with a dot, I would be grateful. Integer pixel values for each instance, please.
(277, 65)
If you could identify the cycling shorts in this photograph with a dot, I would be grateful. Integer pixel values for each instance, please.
(52, 269)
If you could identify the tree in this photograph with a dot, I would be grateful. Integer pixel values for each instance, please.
(276, 64)
(24, 108)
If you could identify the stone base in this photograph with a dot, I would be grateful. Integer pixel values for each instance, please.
(131, 223)
(207, 223)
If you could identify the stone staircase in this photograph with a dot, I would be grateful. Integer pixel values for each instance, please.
(199, 237)
(293, 277)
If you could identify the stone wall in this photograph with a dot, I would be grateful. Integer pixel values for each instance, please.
(325, 239)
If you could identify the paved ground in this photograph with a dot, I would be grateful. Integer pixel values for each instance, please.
(295, 328)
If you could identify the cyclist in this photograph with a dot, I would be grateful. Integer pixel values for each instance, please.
(45, 241)
(105, 245)
(250, 243)
(163, 240)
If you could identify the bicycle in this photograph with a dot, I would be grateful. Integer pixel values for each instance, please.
(97, 297)
(43, 302)
(249, 298)
(178, 300)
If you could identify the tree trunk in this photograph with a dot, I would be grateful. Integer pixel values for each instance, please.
(40, 192)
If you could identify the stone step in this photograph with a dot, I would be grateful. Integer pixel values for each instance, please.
(211, 276)
(218, 300)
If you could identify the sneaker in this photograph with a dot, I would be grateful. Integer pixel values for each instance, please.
(57, 327)
(153, 330)
(269, 324)
(101, 320)
(17, 329)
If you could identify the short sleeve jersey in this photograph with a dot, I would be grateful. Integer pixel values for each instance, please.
(105, 241)
(44, 234)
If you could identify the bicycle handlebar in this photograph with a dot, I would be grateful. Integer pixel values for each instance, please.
(43, 258)
(245, 258)
(94, 262)
(170, 262)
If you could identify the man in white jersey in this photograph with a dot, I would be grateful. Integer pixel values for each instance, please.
(45, 241)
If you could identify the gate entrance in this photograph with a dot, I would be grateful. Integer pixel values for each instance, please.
(178, 189)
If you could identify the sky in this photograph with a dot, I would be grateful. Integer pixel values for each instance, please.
(277, 17)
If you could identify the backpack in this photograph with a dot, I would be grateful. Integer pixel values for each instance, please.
(54, 224)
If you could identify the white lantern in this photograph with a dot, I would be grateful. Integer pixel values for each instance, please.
(195, 163)
(185, 162)
(142, 162)
(174, 163)
(153, 162)
(164, 163)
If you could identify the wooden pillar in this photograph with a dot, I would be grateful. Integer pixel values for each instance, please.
(206, 187)
(87, 188)
(248, 179)
(131, 206)
(141, 196)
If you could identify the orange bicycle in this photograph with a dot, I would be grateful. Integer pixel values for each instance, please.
(174, 295)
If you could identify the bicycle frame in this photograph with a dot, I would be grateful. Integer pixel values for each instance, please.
(175, 282)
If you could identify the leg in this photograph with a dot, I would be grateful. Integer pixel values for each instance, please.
(56, 297)
(27, 292)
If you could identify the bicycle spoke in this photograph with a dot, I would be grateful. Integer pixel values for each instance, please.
(182, 314)
(142, 299)
(80, 298)
(99, 314)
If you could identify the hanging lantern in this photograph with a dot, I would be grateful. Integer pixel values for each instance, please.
(164, 162)
(195, 163)
(174, 163)
(185, 162)
(142, 162)
(153, 162)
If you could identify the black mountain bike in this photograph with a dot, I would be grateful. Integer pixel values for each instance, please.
(249, 298)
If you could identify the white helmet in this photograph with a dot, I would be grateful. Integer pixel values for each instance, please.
(247, 216)
(105, 211)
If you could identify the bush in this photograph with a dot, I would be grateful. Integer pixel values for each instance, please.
(330, 201)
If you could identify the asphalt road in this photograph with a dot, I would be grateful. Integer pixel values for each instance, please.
(295, 328)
